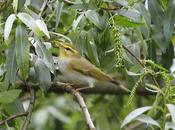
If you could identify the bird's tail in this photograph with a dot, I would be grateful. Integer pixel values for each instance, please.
(120, 85)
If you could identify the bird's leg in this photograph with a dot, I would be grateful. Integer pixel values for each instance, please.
(80, 89)
(91, 85)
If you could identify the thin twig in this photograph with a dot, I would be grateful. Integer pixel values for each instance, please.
(42, 8)
(82, 104)
(30, 108)
(133, 56)
(13, 117)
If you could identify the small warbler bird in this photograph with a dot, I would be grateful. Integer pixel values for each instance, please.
(77, 68)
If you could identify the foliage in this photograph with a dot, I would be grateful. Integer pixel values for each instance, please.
(131, 39)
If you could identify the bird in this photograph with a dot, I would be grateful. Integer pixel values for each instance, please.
(77, 68)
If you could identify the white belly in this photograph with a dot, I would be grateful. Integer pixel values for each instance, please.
(74, 76)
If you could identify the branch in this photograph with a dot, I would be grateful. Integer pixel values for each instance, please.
(42, 8)
(81, 102)
(13, 117)
(30, 108)
(98, 89)
(138, 60)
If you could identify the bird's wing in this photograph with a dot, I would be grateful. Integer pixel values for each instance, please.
(84, 66)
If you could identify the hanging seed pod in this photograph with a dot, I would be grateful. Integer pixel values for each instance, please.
(115, 33)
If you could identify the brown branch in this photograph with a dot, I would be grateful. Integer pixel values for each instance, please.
(13, 117)
(81, 102)
(98, 89)
(30, 108)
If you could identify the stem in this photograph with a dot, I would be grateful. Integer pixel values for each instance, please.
(13, 117)
(42, 8)
(81, 102)
(30, 108)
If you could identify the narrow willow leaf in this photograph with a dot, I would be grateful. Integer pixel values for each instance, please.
(8, 26)
(59, 35)
(130, 73)
(171, 109)
(155, 11)
(44, 54)
(137, 112)
(9, 96)
(126, 22)
(43, 74)
(92, 53)
(148, 120)
(22, 51)
(14, 108)
(30, 22)
(11, 66)
(154, 88)
(15, 5)
(169, 126)
(94, 18)
(58, 13)
(168, 21)
(77, 21)
(131, 14)
(42, 26)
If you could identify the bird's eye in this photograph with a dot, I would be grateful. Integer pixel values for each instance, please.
(67, 48)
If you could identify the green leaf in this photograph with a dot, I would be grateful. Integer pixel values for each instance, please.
(155, 12)
(168, 21)
(154, 88)
(30, 22)
(94, 17)
(58, 13)
(22, 51)
(126, 22)
(11, 66)
(8, 26)
(15, 5)
(169, 126)
(77, 21)
(144, 12)
(42, 26)
(92, 53)
(130, 73)
(148, 120)
(43, 74)
(168, 56)
(171, 109)
(14, 108)
(134, 114)
(44, 54)
(9, 96)
(160, 41)
(130, 14)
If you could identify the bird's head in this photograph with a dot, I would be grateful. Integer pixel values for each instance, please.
(66, 50)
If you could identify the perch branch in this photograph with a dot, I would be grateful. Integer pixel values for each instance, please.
(81, 102)
(13, 117)
(30, 108)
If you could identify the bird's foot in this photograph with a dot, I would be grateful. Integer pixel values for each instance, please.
(83, 88)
